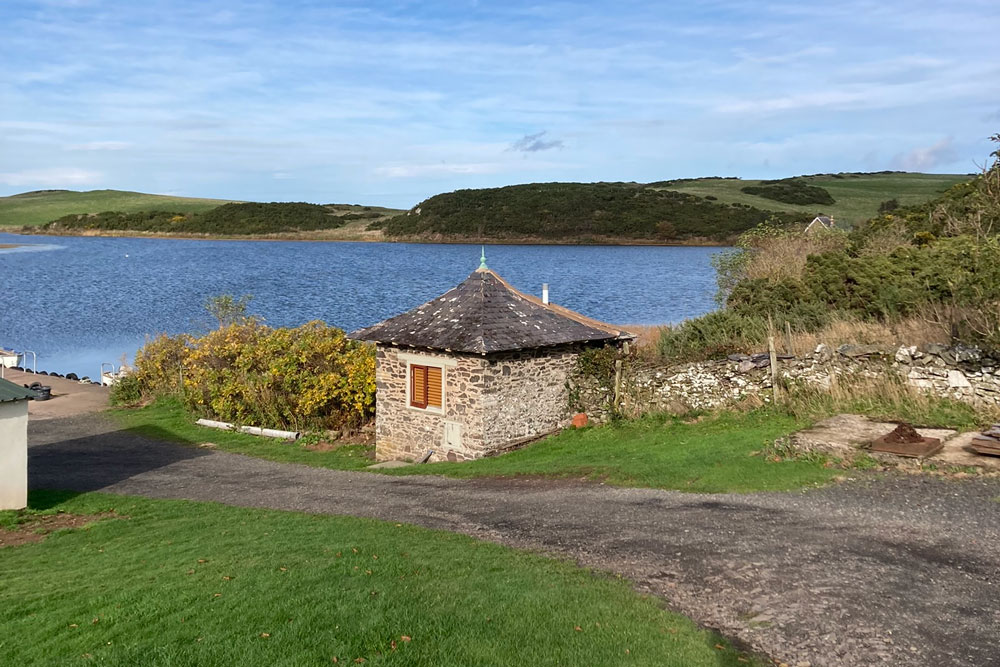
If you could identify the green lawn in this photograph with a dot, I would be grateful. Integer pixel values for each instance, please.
(166, 419)
(183, 583)
(36, 208)
(715, 455)
(711, 455)
(857, 198)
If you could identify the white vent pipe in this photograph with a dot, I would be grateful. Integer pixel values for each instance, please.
(545, 293)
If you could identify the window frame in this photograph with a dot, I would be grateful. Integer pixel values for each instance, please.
(427, 361)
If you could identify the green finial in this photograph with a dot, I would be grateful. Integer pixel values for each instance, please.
(482, 260)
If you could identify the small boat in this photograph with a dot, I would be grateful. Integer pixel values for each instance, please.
(110, 374)
(8, 358)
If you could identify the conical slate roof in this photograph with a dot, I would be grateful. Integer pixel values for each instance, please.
(484, 314)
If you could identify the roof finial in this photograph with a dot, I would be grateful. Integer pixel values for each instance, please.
(482, 261)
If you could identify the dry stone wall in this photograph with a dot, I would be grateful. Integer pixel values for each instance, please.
(960, 372)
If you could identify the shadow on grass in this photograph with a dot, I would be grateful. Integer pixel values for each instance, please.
(45, 499)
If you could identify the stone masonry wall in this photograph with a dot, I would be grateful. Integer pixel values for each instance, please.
(525, 394)
(406, 433)
(958, 372)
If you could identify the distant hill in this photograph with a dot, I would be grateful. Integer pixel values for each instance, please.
(856, 196)
(577, 212)
(234, 219)
(41, 206)
(682, 211)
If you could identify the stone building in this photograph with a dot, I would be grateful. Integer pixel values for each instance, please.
(475, 371)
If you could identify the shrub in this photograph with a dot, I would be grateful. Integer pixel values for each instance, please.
(304, 378)
(790, 191)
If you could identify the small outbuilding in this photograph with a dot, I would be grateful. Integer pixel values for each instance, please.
(478, 370)
(13, 445)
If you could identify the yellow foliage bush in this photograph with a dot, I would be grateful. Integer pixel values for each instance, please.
(308, 377)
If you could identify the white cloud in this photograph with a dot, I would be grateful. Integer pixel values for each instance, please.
(417, 170)
(100, 146)
(923, 159)
(51, 177)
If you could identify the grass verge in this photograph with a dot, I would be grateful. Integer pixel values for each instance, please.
(714, 454)
(711, 454)
(166, 419)
(181, 583)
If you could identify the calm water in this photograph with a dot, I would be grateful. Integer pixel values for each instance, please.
(80, 301)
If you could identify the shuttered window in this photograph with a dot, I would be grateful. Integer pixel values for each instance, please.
(426, 386)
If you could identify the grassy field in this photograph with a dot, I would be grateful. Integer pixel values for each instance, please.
(710, 455)
(37, 208)
(857, 196)
(182, 583)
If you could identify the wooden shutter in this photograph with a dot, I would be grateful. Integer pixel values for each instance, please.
(418, 386)
(434, 388)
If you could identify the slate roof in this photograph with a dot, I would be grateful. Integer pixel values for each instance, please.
(12, 392)
(484, 314)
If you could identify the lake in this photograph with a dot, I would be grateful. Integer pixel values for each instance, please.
(80, 301)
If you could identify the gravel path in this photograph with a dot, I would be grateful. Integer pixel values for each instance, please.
(899, 571)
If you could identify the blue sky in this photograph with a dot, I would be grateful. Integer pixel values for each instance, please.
(389, 103)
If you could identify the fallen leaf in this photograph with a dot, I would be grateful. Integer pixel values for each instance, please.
(392, 644)
(283, 569)
(334, 659)
(354, 550)
(720, 647)
(405, 638)
(227, 578)
(217, 595)
(190, 572)
(73, 625)
(202, 560)
(375, 556)
(338, 554)
(578, 629)
(359, 660)
(96, 621)
(265, 635)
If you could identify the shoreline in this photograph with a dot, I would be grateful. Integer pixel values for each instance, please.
(369, 237)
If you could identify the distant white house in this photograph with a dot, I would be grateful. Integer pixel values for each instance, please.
(820, 222)
(13, 445)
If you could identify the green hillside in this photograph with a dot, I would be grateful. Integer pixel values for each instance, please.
(577, 212)
(233, 219)
(856, 196)
(39, 207)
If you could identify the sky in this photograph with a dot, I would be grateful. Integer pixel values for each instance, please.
(388, 103)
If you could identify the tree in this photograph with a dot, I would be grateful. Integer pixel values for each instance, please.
(227, 309)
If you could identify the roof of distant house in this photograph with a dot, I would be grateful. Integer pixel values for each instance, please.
(12, 392)
(484, 314)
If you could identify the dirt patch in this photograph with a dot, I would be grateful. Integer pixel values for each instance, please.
(40, 527)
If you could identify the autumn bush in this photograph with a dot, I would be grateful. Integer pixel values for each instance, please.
(309, 377)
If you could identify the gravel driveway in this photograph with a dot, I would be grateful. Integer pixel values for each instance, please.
(898, 571)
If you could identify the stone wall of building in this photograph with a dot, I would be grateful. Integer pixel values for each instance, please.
(525, 394)
(958, 372)
(406, 433)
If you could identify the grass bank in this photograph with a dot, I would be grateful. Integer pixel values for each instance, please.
(708, 454)
(39, 207)
(174, 582)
